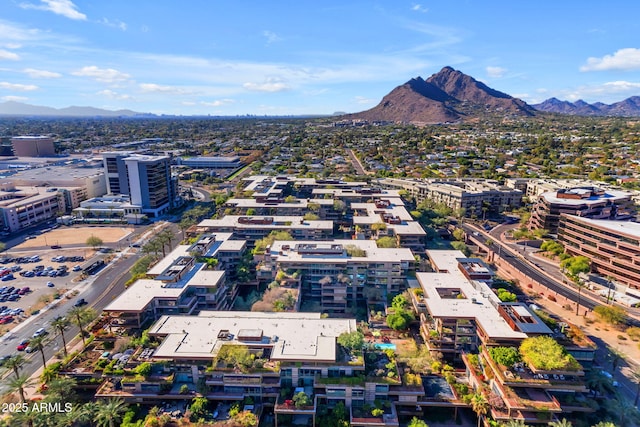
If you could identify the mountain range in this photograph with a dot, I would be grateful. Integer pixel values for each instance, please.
(629, 107)
(12, 108)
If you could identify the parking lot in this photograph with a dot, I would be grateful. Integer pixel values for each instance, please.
(28, 283)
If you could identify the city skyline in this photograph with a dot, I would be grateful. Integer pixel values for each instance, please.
(201, 58)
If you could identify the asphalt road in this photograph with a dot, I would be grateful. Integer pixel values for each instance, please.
(98, 290)
(527, 269)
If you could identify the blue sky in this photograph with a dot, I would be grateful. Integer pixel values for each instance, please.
(301, 57)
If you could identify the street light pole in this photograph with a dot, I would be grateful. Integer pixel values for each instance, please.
(579, 295)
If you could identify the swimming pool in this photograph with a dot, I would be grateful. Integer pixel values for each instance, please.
(384, 346)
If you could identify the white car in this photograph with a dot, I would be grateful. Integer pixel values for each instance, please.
(40, 332)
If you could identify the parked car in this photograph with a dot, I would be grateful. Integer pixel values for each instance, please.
(80, 302)
(76, 268)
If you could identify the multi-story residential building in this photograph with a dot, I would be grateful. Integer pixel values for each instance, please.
(146, 179)
(180, 284)
(475, 196)
(462, 318)
(612, 246)
(339, 274)
(388, 217)
(254, 227)
(292, 353)
(533, 188)
(33, 146)
(22, 207)
(278, 206)
(586, 202)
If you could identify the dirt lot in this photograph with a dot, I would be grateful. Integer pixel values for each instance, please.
(77, 235)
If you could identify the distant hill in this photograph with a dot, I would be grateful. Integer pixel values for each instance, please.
(629, 107)
(12, 108)
(447, 96)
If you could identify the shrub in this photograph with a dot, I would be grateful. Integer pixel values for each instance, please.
(551, 298)
(633, 332)
(505, 356)
(543, 352)
(611, 315)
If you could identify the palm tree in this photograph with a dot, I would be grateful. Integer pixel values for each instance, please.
(561, 423)
(38, 343)
(480, 405)
(165, 237)
(86, 413)
(62, 389)
(616, 356)
(623, 411)
(19, 384)
(110, 412)
(61, 324)
(80, 316)
(15, 363)
(605, 424)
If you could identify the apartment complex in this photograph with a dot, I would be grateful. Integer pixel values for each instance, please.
(180, 284)
(146, 179)
(337, 274)
(475, 196)
(387, 217)
(33, 146)
(256, 227)
(612, 246)
(462, 318)
(586, 202)
(203, 162)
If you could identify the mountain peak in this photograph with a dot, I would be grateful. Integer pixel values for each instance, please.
(449, 95)
(629, 107)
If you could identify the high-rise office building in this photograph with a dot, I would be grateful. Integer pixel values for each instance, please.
(146, 179)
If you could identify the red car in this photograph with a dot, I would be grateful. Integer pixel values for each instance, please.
(23, 345)
(6, 319)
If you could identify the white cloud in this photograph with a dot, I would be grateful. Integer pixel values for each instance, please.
(156, 88)
(419, 8)
(115, 24)
(623, 59)
(65, 8)
(217, 103)
(496, 72)
(12, 56)
(18, 86)
(113, 95)
(271, 36)
(14, 98)
(41, 74)
(105, 75)
(270, 85)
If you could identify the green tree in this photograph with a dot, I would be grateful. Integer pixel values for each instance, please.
(387, 242)
(198, 408)
(110, 412)
(479, 405)
(543, 352)
(505, 356)
(399, 320)
(15, 363)
(19, 384)
(81, 316)
(351, 340)
(60, 324)
(301, 399)
(94, 241)
(416, 422)
(458, 234)
(561, 423)
(38, 343)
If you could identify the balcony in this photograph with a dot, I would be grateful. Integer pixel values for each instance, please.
(363, 417)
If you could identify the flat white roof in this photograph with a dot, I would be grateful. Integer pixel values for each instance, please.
(142, 292)
(479, 300)
(281, 221)
(291, 336)
(372, 252)
(609, 195)
(408, 226)
(299, 203)
(623, 227)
